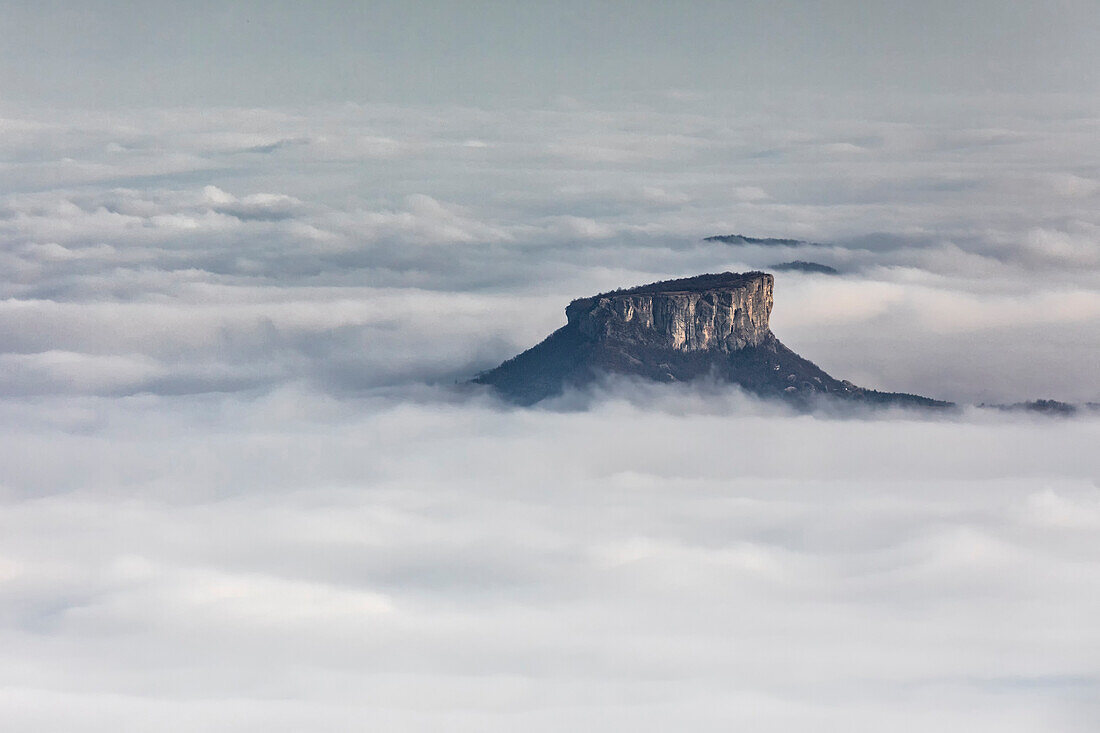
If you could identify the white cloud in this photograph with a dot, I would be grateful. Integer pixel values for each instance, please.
(215, 196)
(60, 371)
(319, 209)
(1078, 248)
(1071, 185)
(750, 193)
(1077, 511)
(485, 566)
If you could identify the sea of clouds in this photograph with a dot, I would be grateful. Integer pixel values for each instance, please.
(241, 490)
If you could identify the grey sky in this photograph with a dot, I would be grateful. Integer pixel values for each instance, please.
(276, 53)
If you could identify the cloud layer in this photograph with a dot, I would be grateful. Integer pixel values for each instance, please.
(301, 562)
(240, 491)
(965, 249)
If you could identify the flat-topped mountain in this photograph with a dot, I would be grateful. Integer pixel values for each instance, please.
(713, 325)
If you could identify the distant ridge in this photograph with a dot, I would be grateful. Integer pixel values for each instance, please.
(765, 241)
(1053, 408)
(713, 325)
(803, 266)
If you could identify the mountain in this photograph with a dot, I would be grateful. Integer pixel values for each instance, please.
(804, 266)
(713, 325)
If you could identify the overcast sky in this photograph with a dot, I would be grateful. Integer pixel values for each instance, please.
(108, 53)
(247, 250)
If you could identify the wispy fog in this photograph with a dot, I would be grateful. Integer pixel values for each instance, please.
(241, 489)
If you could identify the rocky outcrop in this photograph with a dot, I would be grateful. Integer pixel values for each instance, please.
(709, 326)
(727, 315)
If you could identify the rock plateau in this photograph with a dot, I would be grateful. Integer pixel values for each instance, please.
(708, 326)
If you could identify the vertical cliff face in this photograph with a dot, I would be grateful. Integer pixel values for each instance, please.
(704, 327)
(725, 315)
